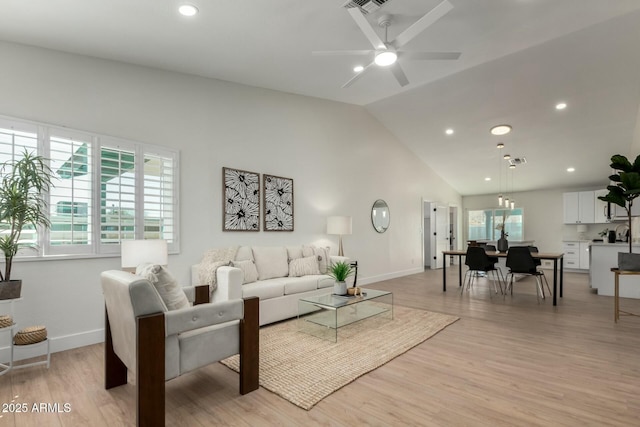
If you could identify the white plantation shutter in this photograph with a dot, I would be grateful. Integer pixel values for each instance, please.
(71, 195)
(117, 196)
(105, 190)
(159, 197)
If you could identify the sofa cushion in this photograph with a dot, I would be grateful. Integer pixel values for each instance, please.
(296, 285)
(322, 255)
(271, 261)
(294, 252)
(264, 289)
(249, 270)
(171, 293)
(244, 253)
(325, 282)
(303, 266)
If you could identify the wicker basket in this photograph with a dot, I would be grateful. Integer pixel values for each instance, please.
(5, 321)
(30, 335)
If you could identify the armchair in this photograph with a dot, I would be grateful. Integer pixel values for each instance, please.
(156, 344)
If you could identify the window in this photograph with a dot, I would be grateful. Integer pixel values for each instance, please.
(487, 224)
(104, 190)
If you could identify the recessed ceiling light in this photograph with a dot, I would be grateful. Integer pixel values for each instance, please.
(188, 10)
(500, 145)
(571, 169)
(512, 166)
(500, 130)
(561, 106)
(358, 68)
(506, 156)
(488, 178)
(449, 131)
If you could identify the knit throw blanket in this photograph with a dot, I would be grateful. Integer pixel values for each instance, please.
(211, 261)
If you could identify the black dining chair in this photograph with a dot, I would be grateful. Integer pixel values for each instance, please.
(520, 261)
(538, 262)
(478, 262)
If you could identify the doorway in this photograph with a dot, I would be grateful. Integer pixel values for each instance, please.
(439, 232)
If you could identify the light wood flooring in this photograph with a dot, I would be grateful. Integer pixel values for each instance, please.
(506, 362)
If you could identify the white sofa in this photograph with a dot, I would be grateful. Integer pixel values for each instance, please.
(278, 291)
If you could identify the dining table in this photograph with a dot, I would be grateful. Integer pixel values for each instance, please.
(556, 257)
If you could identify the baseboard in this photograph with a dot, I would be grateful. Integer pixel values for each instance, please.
(389, 276)
(62, 343)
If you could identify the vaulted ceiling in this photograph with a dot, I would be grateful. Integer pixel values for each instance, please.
(519, 58)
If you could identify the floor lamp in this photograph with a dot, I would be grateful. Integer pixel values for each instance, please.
(136, 252)
(340, 225)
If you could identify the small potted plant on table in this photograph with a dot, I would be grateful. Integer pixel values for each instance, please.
(340, 271)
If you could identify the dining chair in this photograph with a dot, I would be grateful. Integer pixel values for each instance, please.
(478, 262)
(538, 262)
(520, 261)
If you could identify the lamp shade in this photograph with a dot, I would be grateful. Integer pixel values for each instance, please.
(582, 228)
(339, 225)
(136, 252)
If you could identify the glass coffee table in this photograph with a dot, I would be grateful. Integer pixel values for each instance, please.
(323, 315)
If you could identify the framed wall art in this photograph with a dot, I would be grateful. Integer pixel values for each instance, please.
(278, 203)
(241, 200)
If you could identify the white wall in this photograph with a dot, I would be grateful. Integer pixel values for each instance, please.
(340, 157)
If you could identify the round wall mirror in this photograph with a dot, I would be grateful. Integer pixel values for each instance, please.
(380, 216)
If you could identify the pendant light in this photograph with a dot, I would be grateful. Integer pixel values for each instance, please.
(500, 146)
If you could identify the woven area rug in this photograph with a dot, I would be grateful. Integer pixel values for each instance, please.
(305, 369)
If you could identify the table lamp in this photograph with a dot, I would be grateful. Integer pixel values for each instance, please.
(136, 252)
(340, 225)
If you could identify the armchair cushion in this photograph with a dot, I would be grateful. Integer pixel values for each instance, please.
(202, 315)
(171, 293)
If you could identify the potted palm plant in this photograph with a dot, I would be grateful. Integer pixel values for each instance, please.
(23, 186)
(624, 188)
(340, 271)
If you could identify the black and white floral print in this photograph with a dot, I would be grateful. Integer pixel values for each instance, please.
(278, 203)
(241, 200)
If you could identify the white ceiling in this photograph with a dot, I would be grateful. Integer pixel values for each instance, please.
(519, 57)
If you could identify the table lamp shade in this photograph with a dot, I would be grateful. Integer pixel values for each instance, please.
(136, 252)
(582, 228)
(340, 225)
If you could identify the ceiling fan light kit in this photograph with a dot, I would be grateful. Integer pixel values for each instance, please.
(386, 53)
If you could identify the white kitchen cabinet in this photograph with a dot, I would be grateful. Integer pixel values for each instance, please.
(601, 208)
(576, 255)
(579, 207)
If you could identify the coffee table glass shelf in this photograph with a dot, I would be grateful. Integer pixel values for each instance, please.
(323, 315)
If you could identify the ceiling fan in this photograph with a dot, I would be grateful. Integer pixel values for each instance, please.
(385, 53)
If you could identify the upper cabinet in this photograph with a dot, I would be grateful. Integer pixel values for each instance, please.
(579, 207)
(602, 208)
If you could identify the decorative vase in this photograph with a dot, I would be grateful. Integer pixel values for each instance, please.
(628, 262)
(503, 243)
(10, 289)
(340, 288)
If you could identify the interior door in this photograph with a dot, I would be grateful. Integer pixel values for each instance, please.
(441, 215)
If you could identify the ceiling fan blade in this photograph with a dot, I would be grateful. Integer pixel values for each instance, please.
(432, 16)
(399, 74)
(366, 28)
(429, 55)
(340, 52)
(357, 76)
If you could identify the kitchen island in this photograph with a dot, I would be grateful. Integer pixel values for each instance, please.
(603, 257)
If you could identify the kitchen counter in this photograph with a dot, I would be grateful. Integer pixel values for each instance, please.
(604, 257)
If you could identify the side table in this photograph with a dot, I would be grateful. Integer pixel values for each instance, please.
(616, 304)
(6, 367)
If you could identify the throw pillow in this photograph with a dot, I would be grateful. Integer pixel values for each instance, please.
(170, 292)
(303, 266)
(271, 261)
(248, 267)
